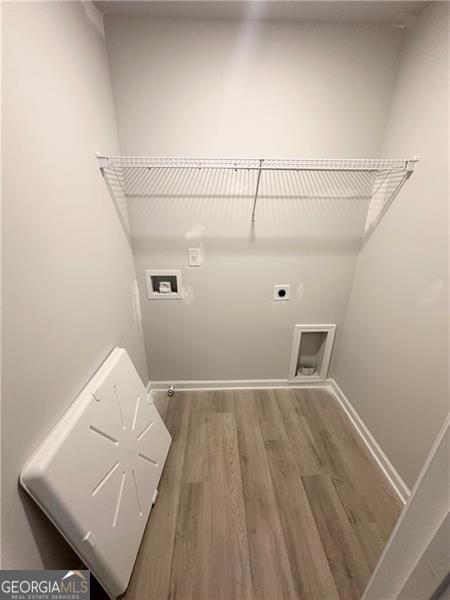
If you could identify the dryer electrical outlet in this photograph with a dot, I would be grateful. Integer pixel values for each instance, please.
(97, 473)
(281, 292)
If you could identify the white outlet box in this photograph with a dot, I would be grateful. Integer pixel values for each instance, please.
(194, 257)
(281, 293)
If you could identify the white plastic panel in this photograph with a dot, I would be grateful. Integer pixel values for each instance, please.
(96, 474)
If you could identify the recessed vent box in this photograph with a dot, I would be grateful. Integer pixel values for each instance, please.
(311, 353)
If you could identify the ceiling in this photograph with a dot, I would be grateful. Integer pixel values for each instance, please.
(395, 13)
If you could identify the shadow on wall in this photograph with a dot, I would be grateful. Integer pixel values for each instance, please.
(251, 244)
(47, 537)
(299, 211)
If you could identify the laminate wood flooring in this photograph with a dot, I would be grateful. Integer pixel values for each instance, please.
(266, 494)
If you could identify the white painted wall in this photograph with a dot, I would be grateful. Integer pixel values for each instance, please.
(226, 88)
(67, 268)
(415, 560)
(393, 361)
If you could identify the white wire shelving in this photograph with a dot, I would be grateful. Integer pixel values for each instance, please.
(376, 180)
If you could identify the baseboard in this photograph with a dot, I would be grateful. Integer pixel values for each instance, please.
(160, 400)
(232, 384)
(397, 483)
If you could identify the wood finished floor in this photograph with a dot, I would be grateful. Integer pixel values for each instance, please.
(266, 494)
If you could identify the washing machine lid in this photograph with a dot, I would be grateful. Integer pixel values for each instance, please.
(96, 474)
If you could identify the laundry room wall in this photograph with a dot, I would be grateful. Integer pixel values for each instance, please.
(68, 271)
(393, 362)
(224, 88)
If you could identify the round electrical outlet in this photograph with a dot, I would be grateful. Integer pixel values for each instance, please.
(281, 292)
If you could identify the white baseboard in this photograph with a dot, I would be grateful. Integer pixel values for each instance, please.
(233, 384)
(159, 398)
(397, 483)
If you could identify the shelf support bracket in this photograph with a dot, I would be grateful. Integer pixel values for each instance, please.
(410, 164)
(102, 161)
(257, 189)
(103, 164)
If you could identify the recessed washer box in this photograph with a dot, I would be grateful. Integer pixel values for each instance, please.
(164, 284)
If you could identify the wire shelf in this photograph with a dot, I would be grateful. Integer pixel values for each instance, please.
(323, 164)
(376, 180)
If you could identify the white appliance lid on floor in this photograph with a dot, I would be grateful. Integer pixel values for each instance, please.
(97, 473)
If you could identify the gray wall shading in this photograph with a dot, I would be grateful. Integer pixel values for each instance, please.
(393, 362)
(68, 271)
(228, 88)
